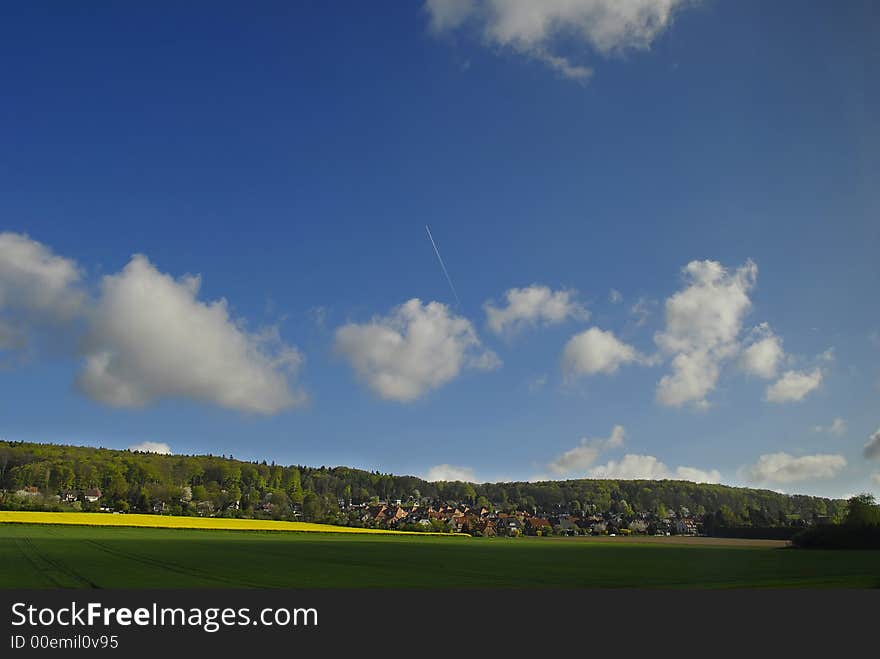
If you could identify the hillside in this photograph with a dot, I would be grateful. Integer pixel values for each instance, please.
(59, 477)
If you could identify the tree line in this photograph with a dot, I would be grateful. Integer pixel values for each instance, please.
(860, 528)
(223, 486)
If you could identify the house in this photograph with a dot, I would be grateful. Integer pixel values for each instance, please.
(568, 526)
(685, 526)
(207, 508)
(92, 494)
(28, 491)
(638, 526)
(509, 525)
(378, 516)
(392, 517)
(477, 526)
(68, 496)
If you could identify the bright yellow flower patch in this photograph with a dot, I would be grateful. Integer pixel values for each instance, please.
(167, 522)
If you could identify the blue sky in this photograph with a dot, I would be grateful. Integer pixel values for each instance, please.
(291, 158)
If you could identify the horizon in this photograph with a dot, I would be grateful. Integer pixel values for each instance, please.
(652, 246)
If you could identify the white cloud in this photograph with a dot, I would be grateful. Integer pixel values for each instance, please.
(693, 376)
(708, 313)
(875, 478)
(785, 468)
(150, 338)
(647, 467)
(703, 322)
(793, 386)
(448, 14)
(827, 356)
(697, 475)
(872, 448)
(642, 310)
(763, 356)
(596, 351)
(416, 348)
(614, 296)
(151, 447)
(563, 65)
(533, 28)
(37, 288)
(582, 456)
(837, 427)
(533, 305)
(447, 472)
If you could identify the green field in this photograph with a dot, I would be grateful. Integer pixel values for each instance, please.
(47, 556)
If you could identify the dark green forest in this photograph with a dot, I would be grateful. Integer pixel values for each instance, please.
(55, 477)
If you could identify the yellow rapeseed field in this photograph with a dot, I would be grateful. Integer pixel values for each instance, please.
(167, 522)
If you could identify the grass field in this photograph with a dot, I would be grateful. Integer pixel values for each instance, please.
(51, 556)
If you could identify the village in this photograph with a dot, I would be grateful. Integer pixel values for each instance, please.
(487, 522)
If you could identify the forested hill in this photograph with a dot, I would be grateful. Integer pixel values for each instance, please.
(179, 484)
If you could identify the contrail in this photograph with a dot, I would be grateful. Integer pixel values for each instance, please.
(443, 265)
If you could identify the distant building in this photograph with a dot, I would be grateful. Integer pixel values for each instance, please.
(685, 526)
(92, 495)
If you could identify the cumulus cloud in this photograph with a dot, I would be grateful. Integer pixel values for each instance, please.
(793, 386)
(37, 289)
(615, 296)
(596, 351)
(703, 322)
(697, 475)
(533, 305)
(582, 456)
(872, 448)
(764, 354)
(151, 447)
(447, 472)
(837, 427)
(648, 467)
(150, 338)
(693, 376)
(533, 28)
(415, 348)
(785, 468)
